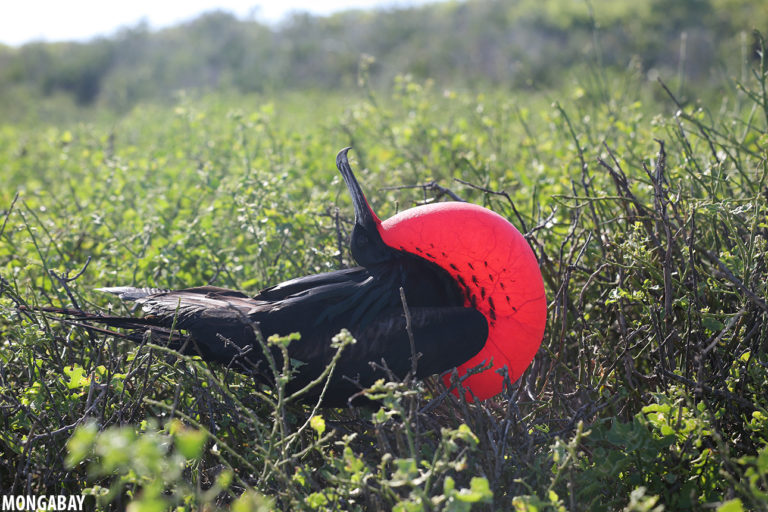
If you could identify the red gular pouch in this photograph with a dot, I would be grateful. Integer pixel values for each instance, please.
(497, 272)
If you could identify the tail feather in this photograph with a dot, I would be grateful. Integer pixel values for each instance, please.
(130, 292)
(138, 326)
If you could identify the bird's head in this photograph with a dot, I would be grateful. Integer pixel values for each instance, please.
(487, 256)
(366, 244)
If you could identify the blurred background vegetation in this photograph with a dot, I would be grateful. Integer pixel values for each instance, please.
(471, 44)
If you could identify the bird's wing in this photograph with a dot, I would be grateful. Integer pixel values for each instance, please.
(222, 322)
(184, 308)
(318, 307)
(304, 284)
(444, 338)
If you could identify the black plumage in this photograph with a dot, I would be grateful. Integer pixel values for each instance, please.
(220, 324)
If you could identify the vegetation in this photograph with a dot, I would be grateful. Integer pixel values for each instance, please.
(474, 43)
(646, 203)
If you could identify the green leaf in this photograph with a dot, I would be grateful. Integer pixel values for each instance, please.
(77, 378)
(190, 442)
(711, 323)
(252, 501)
(80, 445)
(479, 491)
(734, 505)
(316, 500)
(153, 504)
(318, 424)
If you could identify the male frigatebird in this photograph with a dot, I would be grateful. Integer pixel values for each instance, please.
(472, 287)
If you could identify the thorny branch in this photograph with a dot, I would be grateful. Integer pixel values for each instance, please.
(64, 281)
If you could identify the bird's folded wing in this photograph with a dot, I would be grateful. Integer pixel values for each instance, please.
(309, 284)
(187, 308)
(443, 337)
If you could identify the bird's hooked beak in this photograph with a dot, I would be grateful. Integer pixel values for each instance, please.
(364, 214)
(366, 244)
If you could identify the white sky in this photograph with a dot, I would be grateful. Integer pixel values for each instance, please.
(22, 21)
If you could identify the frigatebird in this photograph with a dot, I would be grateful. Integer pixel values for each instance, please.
(472, 287)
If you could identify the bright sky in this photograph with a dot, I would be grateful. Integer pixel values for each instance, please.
(22, 21)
